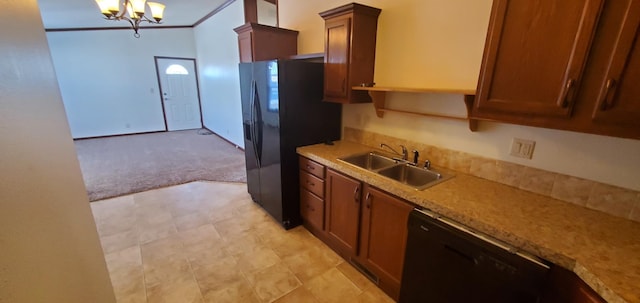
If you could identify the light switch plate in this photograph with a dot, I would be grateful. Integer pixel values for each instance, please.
(522, 148)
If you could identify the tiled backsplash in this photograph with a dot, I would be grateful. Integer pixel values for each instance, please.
(613, 200)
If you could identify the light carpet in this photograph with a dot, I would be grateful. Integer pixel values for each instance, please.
(115, 166)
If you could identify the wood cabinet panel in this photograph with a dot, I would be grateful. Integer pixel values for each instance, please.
(312, 209)
(257, 42)
(342, 218)
(619, 94)
(338, 32)
(384, 237)
(312, 204)
(311, 167)
(534, 56)
(350, 46)
(564, 286)
(312, 183)
(531, 56)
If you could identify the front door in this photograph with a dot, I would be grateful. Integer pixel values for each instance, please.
(179, 90)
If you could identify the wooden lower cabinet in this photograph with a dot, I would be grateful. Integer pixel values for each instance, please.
(311, 209)
(342, 213)
(369, 227)
(312, 195)
(564, 286)
(383, 237)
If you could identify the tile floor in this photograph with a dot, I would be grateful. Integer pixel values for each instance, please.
(208, 242)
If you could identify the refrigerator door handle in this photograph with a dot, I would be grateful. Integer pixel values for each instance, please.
(258, 123)
(253, 123)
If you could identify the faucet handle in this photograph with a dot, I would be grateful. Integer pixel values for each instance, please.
(427, 164)
(416, 154)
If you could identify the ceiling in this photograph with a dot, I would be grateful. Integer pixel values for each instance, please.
(71, 14)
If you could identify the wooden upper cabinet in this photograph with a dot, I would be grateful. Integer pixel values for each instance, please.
(350, 46)
(337, 58)
(257, 42)
(534, 57)
(618, 100)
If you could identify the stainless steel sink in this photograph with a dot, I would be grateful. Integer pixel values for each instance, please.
(419, 178)
(397, 170)
(370, 161)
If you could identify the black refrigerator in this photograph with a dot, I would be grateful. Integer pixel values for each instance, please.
(282, 109)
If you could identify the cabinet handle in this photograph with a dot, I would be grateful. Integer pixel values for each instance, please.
(310, 167)
(355, 194)
(368, 200)
(565, 96)
(605, 103)
(310, 183)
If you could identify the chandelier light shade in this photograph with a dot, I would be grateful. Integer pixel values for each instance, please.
(115, 10)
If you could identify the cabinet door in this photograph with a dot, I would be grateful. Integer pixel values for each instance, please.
(534, 56)
(336, 67)
(384, 235)
(342, 212)
(564, 286)
(619, 97)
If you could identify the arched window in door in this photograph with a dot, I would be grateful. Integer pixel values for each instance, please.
(176, 69)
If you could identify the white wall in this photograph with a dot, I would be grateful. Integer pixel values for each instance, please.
(439, 44)
(49, 246)
(218, 58)
(108, 78)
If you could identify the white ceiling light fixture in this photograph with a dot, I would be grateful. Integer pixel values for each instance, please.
(114, 10)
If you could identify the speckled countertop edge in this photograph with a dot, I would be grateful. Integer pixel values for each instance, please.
(601, 249)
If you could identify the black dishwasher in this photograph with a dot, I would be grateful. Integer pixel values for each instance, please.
(448, 263)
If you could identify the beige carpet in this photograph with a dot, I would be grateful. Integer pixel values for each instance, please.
(116, 166)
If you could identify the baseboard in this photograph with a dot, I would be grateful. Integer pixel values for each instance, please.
(120, 135)
(223, 138)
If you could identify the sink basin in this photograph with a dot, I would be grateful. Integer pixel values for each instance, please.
(418, 178)
(397, 170)
(369, 161)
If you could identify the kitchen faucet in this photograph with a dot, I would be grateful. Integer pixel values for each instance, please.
(405, 153)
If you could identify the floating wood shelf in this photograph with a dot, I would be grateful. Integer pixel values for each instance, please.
(378, 96)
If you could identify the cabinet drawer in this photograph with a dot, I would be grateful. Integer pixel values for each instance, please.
(312, 209)
(312, 184)
(312, 167)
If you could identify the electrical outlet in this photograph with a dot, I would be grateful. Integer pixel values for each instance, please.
(522, 148)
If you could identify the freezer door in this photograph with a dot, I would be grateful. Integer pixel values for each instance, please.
(247, 95)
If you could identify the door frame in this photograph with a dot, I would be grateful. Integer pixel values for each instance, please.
(195, 68)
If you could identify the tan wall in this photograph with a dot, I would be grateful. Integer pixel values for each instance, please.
(49, 247)
(439, 44)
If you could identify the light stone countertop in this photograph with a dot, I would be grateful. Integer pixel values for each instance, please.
(601, 249)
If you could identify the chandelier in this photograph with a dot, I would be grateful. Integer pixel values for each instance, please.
(114, 10)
